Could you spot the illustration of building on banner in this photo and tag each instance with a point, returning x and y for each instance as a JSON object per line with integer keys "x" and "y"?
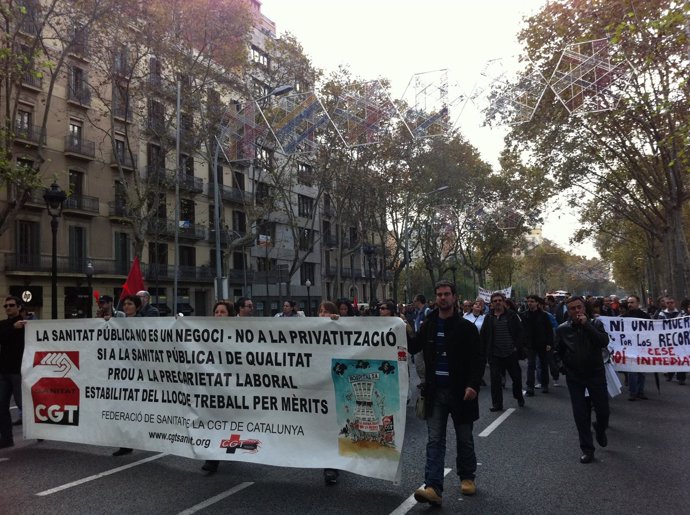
{"x": 364, "y": 113}
{"x": 367, "y": 396}
{"x": 591, "y": 76}
{"x": 296, "y": 121}
{"x": 429, "y": 104}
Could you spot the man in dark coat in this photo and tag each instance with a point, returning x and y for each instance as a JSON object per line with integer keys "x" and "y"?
{"x": 454, "y": 366}
{"x": 11, "y": 352}
{"x": 539, "y": 339}
{"x": 579, "y": 344}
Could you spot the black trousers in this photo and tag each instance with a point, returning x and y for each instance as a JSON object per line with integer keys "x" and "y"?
{"x": 582, "y": 406}
{"x": 498, "y": 367}
{"x": 532, "y": 366}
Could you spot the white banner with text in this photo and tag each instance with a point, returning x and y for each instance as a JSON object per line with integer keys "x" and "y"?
{"x": 640, "y": 345}
{"x": 486, "y": 294}
{"x": 294, "y": 392}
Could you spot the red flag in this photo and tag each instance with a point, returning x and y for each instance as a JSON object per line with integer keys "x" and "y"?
{"x": 354, "y": 304}
{"x": 96, "y": 295}
{"x": 134, "y": 282}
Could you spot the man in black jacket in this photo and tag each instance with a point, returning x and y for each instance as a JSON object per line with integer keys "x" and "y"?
{"x": 636, "y": 380}
{"x": 579, "y": 342}
{"x": 502, "y": 338}
{"x": 11, "y": 352}
{"x": 539, "y": 337}
{"x": 454, "y": 366}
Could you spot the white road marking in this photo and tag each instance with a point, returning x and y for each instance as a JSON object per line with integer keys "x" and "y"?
{"x": 215, "y": 499}
{"x": 496, "y": 423}
{"x": 4, "y": 459}
{"x": 408, "y": 503}
{"x": 98, "y": 476}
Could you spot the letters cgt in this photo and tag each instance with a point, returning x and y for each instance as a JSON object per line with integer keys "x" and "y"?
{"x": 56, "y": 399}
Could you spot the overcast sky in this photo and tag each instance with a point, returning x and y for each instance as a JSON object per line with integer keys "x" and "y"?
{"x": 396, "y": 39}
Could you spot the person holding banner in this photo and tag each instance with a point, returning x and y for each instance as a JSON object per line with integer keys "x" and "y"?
{"x": 11, "y": 351}
{"x": 454, "y": 367}
{"x": 636, "y": 380}
{"x": 578, "y": 346}
{"x": 220, "y": 309}
{"x": 131, "y": 305}
{"x": 671, "y": 311}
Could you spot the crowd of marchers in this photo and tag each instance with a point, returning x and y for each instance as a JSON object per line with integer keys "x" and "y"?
{"x": 451, "y": 343}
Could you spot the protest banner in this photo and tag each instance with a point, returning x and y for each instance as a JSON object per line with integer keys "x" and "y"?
{"x": 640, "y": 345}
{"x": 306, "y": 392}
{"x": 486, "y": 294}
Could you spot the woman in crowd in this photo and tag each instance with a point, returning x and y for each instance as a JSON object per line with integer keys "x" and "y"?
{"x": 289, "y": 309}
{"x": 222, "y": 308}
{"x": 330, "y": 310}
{"x": 476, "y": 315}
{"x": 345, "y": 308}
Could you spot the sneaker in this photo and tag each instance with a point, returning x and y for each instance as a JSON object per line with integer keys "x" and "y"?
{"x": 17, "y": 422}
{"x": 538, "y": 385}
{"x": 330, "y": 476}
{"x": 468, "y": 487}
{"x": 545, "y": 389}
{"x": 521, "y": 402}
{"x": 122, "y": 451}
{"x": 556, "y": 384}
{"x": 493, "y": 409}
{"x": 632, "y": 398}
{"x": 642, "y": 396}
{"x": 530, "y": 393}
{"x": 428, "y": 494}
{"x": 6, "y": 443}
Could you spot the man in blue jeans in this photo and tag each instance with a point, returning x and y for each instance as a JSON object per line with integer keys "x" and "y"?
{"x": 454, "y": 367}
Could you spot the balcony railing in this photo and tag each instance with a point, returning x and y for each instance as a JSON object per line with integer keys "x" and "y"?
{"x": 30, "y": 133}
{"x": 79, "y": 95}
{"x": 124, "y": 159}
{"x": 191, "y": 231}
{"x": 190, "y": 183}
{"x": 31, "y": 80}
{"x": 230, "y": 194}
{"x": 80, "y": 147}
{"x": 155, "y": 271}
{"x": 119, "y": 209}
{"x": 82, "y": 203}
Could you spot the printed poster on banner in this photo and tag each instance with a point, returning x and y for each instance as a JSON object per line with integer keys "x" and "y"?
{"x": 302, "y": 392}
{"x": 641, "y": 345}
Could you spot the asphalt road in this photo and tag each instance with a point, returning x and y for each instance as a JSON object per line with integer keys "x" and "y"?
{"x": 529, "y": 464}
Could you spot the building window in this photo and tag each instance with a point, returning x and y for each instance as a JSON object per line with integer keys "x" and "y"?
{"x": 77, "y": 85}
{"x": 265, "y": 264}
{"x": 120, "y": 101}
{"x": 187, "y": 256}
{"x": 186, "y": 165}
{"x": 305, "y": 174}
{"x": 158, "y": 260}
{"x": 239, "y": 181}
{"x": 28, "y": 243}
{"x": 155, "y": 70}
{"x": 305, "y": 206}
{"x": 77, "y": 248}
{"x": 123, "y": 253}
{"x": 76, "y": 183}
{"x": 307, "y": 271}
{"x": 80, "y": 41}
{"x": 121, "y": 60}
{"x": 260, "y": 57}
{"x": 263, "y": 192}
{"x": 239, "y": 222}
{"x": 306, "y": 239}
{"x": 76, "y": 129}
{"x": 238, "y": 260}
{"x": 266, "y": 231}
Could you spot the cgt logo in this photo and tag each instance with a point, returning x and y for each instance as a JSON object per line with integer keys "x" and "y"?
{"x": 56, "y": 399}
{"x": 234, "y": 442}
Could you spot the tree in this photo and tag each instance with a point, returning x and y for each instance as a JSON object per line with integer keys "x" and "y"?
{"x": 631, "y": 161}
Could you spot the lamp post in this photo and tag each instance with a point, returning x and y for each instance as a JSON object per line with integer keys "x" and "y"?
{"x": 454, "y": 268}
{"x": 55, "y": 198}
{"x": 277, "y": 91}
{"x": 308, "y": 285}
{"x": 89, "y": 276}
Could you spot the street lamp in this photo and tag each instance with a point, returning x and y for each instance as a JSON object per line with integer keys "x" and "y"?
{"x": 54, "y": 198}
{"x": 454, "y": 268}
{"x": 308, "y": 285}
{"x": 277, "y": 91}
{"x": 89, "y": 276}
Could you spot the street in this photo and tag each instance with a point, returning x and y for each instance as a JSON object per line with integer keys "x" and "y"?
{"x": 528, "y": 463}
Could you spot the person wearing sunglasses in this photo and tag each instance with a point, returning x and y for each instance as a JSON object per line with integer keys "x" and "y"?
{"x": 11, "y": 352}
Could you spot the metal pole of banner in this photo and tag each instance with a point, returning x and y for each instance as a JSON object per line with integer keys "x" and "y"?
{"x": 216, "y": 220}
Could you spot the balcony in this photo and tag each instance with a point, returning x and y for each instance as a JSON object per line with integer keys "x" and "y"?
{"x": 124, "y": 160}
{"x": 118, "y": 209}
{"x": 161, "y": 227}
{"x": 156, "y": 126}
{"x": 122, "y": 112}
{"x": 328, "y": 210}
{"x": 187, "y": 273}
{"x": 191, "y": 183}
{"x": 65, "y": 265}
{"x": 329, "y": 241}
{"x": 80, "y": 148}
{"x": 226, "y": 236}
{"x": 230, "y": 194}
{"x": 80, "y": 96}
{"x": 32, "y": 81}
{"x": 29, "y": 134}
{"x": 81, "y": 204}
{"x": 190, "y": 231}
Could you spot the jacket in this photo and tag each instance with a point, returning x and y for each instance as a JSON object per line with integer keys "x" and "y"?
{"x": 11, "y": 346}
{"x": 538, "y": 329}
{"x": 514, "y": 327}
{"x": 579, "y": 348}
{"x": 465, "y": 362}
